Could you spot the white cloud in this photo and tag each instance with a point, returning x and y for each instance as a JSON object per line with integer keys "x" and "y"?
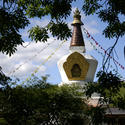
{"x": 93, "y": 23}
{"x": 39, "y": 22}
{"x": 91, "y": 29}
{"x": 26, "y": 60}
{"x": 30, "y": 58}
{"x": 28, "y": 68}
{"x": 88, "y": 45}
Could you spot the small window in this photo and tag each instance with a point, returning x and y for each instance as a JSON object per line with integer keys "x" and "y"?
{"x": 76, "y": 71}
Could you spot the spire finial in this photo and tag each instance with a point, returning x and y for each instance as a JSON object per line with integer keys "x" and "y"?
{"x": 77, "y": 13}
{"x": 77, "y": 17}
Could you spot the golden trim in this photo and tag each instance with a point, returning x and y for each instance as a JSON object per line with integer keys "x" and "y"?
{"x": 76, "y": 58}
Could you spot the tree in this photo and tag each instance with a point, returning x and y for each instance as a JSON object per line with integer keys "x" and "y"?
{"x": 4, "y": 80}
{"x": 12, "y": 19}
{"x": 58, "y": 10}
{"x": 109, "y": 86}
{"x": 14, "y": 15}
{"x": 42, "y": 103}
{"x": 110, "y": 89}
{"x": 108, "y": 11}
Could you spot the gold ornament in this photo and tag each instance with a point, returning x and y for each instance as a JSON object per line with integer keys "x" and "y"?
{"x": 76, "y": 67}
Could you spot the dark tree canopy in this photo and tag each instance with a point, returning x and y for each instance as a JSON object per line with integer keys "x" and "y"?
{"x": 15, "y": 15}
{"x": 110, "y": 89}
{"x": 28, "y": 104}
{"x": 41, "y": 103}
{"x": 12, "y": 19}
{"x": 108, "y": 11}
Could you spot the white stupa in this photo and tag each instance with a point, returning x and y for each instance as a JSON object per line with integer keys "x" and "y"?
{"x": 77, "y": 66}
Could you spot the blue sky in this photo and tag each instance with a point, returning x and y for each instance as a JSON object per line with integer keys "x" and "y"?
{"x": 30, "y": 57}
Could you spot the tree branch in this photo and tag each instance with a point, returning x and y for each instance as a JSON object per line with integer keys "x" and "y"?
{"x": 110, "y": 51}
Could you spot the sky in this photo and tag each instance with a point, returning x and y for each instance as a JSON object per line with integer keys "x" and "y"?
{"x": 33, "y": 55}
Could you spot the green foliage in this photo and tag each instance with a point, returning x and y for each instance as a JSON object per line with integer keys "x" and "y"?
{"x": 110, "y": 89}
{"x": 12, "y": 19}
{"x": 38, "y": 34}
{"x": 91, "y": 6}
{"x": 116, "y": 29}
{"x": 97, "y": 115}
{"x": 60, "y": 30}
{"x": 109, "y": 81}
{"x": 14, "y": 15}
{"x": 42, "y": 103}
{"x": 108, "y": 86}
{"x": 108, "y": 11}
{"x": 119, "y": 101}
{"x": 4, "y": 80}
{"x": 3, "y": 121}
{"x": 57, "y": 9}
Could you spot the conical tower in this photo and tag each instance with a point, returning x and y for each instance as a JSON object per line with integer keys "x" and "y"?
{"x": 77, "y": 66}
{"x": 77, "y": 41}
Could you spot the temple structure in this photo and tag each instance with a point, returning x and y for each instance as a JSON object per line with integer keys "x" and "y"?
{"x": 77, "y": 66}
